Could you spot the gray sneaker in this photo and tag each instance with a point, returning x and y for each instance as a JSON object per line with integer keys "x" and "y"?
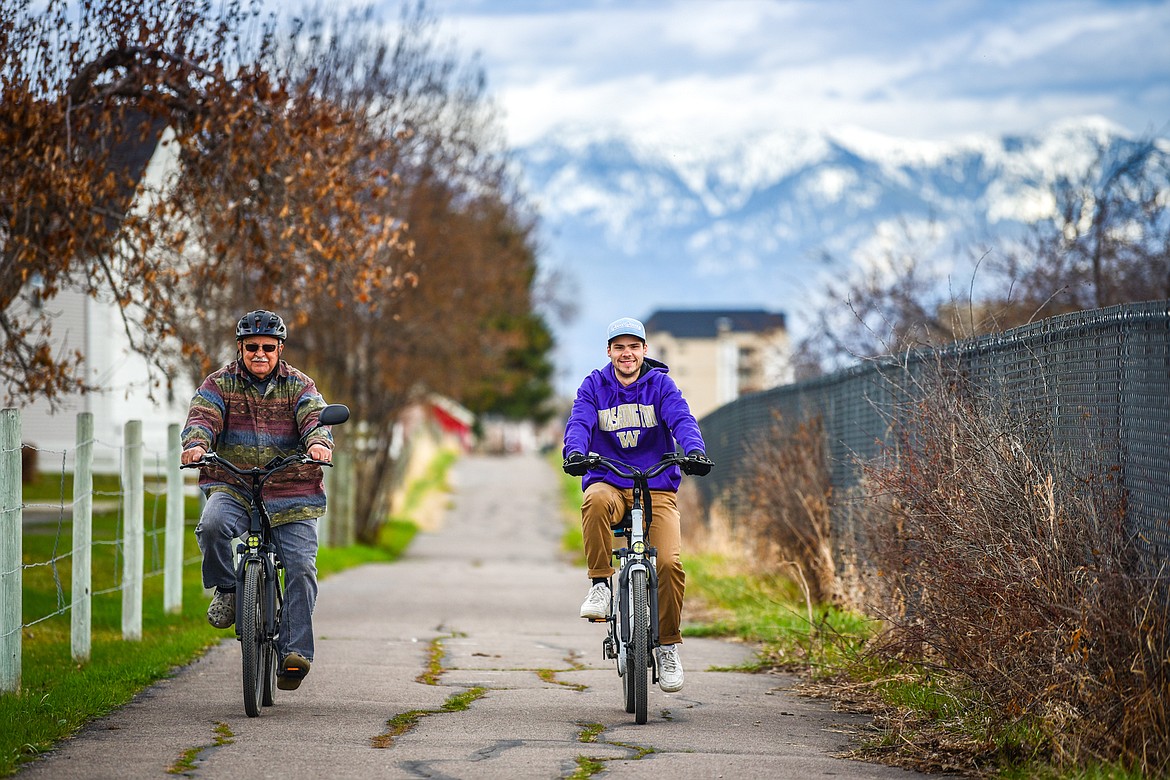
{"x": 222, "y": 611}
{"x": 670, "y": 671}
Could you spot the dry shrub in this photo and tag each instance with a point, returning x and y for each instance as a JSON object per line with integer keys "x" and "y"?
{"x": 1020, "y": 582}
{"x": 706, "y": 529}
{"x": 786, "y": 494}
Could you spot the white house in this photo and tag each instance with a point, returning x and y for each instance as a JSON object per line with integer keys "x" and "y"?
{"x": 94, "y": 328}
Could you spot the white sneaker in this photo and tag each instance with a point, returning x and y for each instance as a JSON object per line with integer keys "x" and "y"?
{"x": 670, "y": 671}
{"x": 596, "y": 604}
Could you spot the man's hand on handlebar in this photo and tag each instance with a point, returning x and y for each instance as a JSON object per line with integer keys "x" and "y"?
{"x": 320, "y": 453}
{"x": 576, "y": 464}
{"x": 192, "y": 454}
{"x": 697, "y": 464}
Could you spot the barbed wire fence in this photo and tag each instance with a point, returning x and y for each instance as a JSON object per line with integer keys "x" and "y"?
{"x": 1093, "y": 381}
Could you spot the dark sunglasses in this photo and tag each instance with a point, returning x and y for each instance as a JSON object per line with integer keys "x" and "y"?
{"x": 265, "y": 347}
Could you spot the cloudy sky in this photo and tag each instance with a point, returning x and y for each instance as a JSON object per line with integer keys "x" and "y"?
{"x": 685, "y": 73}
{"x": 936, "y": 69}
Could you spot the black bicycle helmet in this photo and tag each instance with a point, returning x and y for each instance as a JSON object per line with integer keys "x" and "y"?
{"x": 261, "y": 323}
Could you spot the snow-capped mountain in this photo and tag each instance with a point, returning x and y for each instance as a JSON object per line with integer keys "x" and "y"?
{"x": 762, "y": 221}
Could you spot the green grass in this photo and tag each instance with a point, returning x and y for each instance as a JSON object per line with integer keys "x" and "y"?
{"x": 771, "y": 610}
{"x": 434, "y": 479}
{"x": 571, "y": 539}
{"x": 186, "y": 761}
{"x": 587, "y": 767}
{"x": 58, "y": 696}
{"x": 393, "y": 539}
{"x": 50, "y": 488}
{"x": 405, "y": 721}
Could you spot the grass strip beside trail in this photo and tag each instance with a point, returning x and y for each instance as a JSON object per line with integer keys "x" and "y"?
{"x": 58, "y": 696}
{"x": 771, "y": 611}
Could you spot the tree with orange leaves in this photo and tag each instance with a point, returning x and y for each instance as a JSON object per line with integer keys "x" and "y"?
{"x": 264, "y": 185}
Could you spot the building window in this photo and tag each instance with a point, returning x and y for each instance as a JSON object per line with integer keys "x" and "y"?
{"x": 36, "y": 290}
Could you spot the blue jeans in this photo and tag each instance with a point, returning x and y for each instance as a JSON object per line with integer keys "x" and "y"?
{"x": 223, "y": 521}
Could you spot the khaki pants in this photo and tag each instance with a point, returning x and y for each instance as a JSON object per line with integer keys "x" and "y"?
{"x": 604, "y": 505}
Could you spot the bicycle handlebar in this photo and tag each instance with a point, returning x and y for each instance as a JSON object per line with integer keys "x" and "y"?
{"x": 331, "y": 414}
{"x": 275, "y": 465}
{"x": 629, "y": 472}
{"x": 626, "y": 471}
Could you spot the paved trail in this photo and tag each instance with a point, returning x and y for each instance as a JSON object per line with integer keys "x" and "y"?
{"x": 489, "y": 597}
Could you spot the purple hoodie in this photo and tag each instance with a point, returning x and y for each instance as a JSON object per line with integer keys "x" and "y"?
{"x": 636, "y": 425}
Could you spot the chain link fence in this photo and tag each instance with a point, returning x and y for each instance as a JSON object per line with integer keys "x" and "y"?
{"x": 1088, "y": 382}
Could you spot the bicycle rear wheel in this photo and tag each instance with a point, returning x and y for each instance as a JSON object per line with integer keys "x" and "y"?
{"x": 268, "y": 667}
{"x": 250, "y": 614}
{"x": 637, "y": 654}
{"x": 271, "y": 656}
{"x": 620, "y": 607}
{"x": 628, "y": 693}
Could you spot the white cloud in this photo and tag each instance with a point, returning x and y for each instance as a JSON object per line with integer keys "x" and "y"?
{"x": 917, "y": 69}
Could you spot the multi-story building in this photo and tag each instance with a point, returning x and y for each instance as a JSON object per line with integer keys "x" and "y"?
{"x": 717, "y": 355}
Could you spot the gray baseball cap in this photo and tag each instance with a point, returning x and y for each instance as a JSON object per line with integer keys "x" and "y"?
{"x": 626, "y": 326}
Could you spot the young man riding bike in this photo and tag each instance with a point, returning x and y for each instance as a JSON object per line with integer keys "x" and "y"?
{"x": 251, "y": 410}
{"x": 632, "y": 411}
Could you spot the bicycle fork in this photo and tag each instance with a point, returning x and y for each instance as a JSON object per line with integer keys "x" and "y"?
{"x": 627, "y": 597}
{"x": 635, "y": 556}
{"x": 252, "y": 550}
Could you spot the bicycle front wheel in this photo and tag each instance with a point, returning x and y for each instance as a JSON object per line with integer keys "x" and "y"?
{"x": 250, "y": 614}
{"x": 638, "y": 653}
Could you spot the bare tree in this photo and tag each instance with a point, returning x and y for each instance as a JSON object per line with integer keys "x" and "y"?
{"x": 1107, "y": 241}
{"x": 898, "y": 296}
{"x": 85, "y": 101}
{"x": 350, "y": 176}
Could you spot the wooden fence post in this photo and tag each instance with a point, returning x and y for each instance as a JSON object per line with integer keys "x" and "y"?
{"x": 341, "y": 520}
{"x": 81, "y": 610}
{"x": 326, "y": 520}
{"x": 173, "y": 561}
{"x": 11, "y": 551}
{"x": 133, "y": 535}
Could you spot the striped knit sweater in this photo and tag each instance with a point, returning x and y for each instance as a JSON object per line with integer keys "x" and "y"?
{"x": 232, "y": 416}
